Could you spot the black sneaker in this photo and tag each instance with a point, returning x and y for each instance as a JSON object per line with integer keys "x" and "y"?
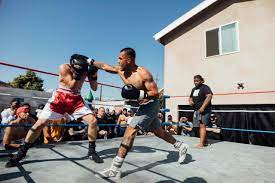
{"x": 94, "y": 156}
{"x": 14, "y": 160}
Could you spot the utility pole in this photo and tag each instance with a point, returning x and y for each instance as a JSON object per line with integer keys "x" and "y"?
{"x": 100, "y": 93}
{"x": 157, "y": 79}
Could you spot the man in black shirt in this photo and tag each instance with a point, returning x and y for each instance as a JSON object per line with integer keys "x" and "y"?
{"x": 200, "y": 99}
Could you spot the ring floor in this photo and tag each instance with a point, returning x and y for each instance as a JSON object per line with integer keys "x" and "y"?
{"x": 151, "y": 160}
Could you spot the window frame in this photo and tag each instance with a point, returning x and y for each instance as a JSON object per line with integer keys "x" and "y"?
{"x": 220, "y": 40}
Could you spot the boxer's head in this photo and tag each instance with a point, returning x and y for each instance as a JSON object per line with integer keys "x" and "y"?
{"x": 198, "y": 80}
{"x": 126, "y": 58}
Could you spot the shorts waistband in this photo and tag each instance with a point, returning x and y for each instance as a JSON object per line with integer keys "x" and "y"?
{"x": 66, "y": 90}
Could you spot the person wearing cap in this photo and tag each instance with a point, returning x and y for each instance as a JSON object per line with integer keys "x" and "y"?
{"x": 14, "y": 135}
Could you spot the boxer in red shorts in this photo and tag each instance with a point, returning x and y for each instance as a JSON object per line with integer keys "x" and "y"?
{"x": 66, "y": 99}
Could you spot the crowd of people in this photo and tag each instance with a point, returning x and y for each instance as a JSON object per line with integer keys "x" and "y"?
{"x": 111, "y": 124}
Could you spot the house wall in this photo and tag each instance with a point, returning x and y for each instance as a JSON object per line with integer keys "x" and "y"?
{"x": 254, "y": 65}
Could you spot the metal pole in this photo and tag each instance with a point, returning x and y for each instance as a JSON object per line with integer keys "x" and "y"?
{"x": 100, "y": 93}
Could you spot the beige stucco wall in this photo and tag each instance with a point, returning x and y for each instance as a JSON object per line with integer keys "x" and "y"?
{"x": 254, "y": 65}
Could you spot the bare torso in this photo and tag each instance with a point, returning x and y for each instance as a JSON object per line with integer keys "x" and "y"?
{"x": 139, "y": 78}
{"x": 66, "y": 78}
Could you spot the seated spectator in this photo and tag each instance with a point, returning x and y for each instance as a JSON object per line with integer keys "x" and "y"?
{"x": 214, "y": 129}
{"x": 111, "y": 118}
{"x": 103, "y": 131}
{"x": 122, "y": 122}
{"x": 27, "y": 105}
{"x": 185, "y": 126}
{"x": 14, "y": 136}
{"x": 54, "y": 134}
{"x": 8, "y": 115}
{"x": 173, "y": 127}
{"x": 74, "y": 133}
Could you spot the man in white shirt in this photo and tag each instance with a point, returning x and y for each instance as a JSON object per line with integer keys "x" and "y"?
{"x": 8, "y": 115}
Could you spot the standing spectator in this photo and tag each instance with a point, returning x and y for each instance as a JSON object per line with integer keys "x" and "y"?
{"x": 14, "y": 136}
{"x": 200, "y": 99}
{"x": 122, "y": 121}
{"x": 186, "y": 126}
{"x": 9, "y": 114}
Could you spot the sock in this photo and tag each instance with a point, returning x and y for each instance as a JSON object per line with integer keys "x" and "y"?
{"x": 177, "y": 144}
{"x": 92, "y": 146}
{"x": 117, "y": 163}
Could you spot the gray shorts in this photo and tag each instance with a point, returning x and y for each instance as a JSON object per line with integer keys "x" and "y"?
{"x": 146, "y": 117}
{"x": 201, "y": 118}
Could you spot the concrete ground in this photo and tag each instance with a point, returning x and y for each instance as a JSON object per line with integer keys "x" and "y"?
{"x": 151, "y": 160}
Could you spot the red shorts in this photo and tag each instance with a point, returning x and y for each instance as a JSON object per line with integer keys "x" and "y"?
{"x": 64, "y": 101}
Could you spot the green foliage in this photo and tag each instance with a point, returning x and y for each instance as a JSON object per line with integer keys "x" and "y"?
{"x": 30, "y": 81}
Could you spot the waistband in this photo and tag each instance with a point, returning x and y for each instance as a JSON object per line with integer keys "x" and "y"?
{"x": 67, "y": 90}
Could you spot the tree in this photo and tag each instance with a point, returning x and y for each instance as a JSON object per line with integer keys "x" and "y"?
{"x": 30, "y": 81}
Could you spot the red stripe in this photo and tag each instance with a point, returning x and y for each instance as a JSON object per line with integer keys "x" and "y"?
{"x": 232, "y": 93}
{"x": 49, "y": 73}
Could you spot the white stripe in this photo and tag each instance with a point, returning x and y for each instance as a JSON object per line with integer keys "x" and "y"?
{"x": 40, "y": 98}
{"x": 141, "y": 95}
{"x": 114, "y": 105}
{"x": 5, "y": 94}
{"x": 249, "y": 111}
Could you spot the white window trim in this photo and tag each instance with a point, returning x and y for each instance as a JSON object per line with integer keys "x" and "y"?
{"x": 220, "y": 40}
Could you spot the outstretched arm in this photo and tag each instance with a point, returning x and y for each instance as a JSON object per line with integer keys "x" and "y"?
{"x": 106, "y": 67}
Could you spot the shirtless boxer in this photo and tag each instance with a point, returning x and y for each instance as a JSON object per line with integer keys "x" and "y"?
{"x": 139, "y": 85}
{"x": 66, "y": 99}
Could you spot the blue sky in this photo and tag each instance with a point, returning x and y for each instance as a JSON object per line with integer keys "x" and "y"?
{"x": 43, "y": 34}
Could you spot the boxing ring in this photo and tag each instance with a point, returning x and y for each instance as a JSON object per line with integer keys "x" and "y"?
{"x": 150, "y": 160}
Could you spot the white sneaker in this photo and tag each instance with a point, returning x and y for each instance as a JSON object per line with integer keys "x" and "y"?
{"x": 108, "y": 173}
{"x": 182, "y": 152}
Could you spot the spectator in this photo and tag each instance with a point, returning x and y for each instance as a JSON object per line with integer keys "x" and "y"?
{"x": 111, "y": 118}
{"x": 14, "y": 136}
{"x": 107, "y": 111}
{"x": 96, "y": 111}
{"x": 213, "y": 130}
{"x": 53, "y": 134}
{"x": 200, "y": 99}
{"x": 122, "y": 122}
{"x": 103, "y": 131}
{"x": 75, "y": 132}
{"x": 27, "y": 105}
{"x": 186, "y": 126}
{"x": 8, "y": 115}
{"x": 173, "y": 127}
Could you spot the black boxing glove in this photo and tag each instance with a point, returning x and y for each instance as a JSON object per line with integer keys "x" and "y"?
{"x": 92, "y": 69}
{"x": 80, "y": 65}
{"x": 131, "y": 92}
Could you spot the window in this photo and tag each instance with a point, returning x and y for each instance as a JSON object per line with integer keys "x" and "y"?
{"x": 222, "y": 40}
